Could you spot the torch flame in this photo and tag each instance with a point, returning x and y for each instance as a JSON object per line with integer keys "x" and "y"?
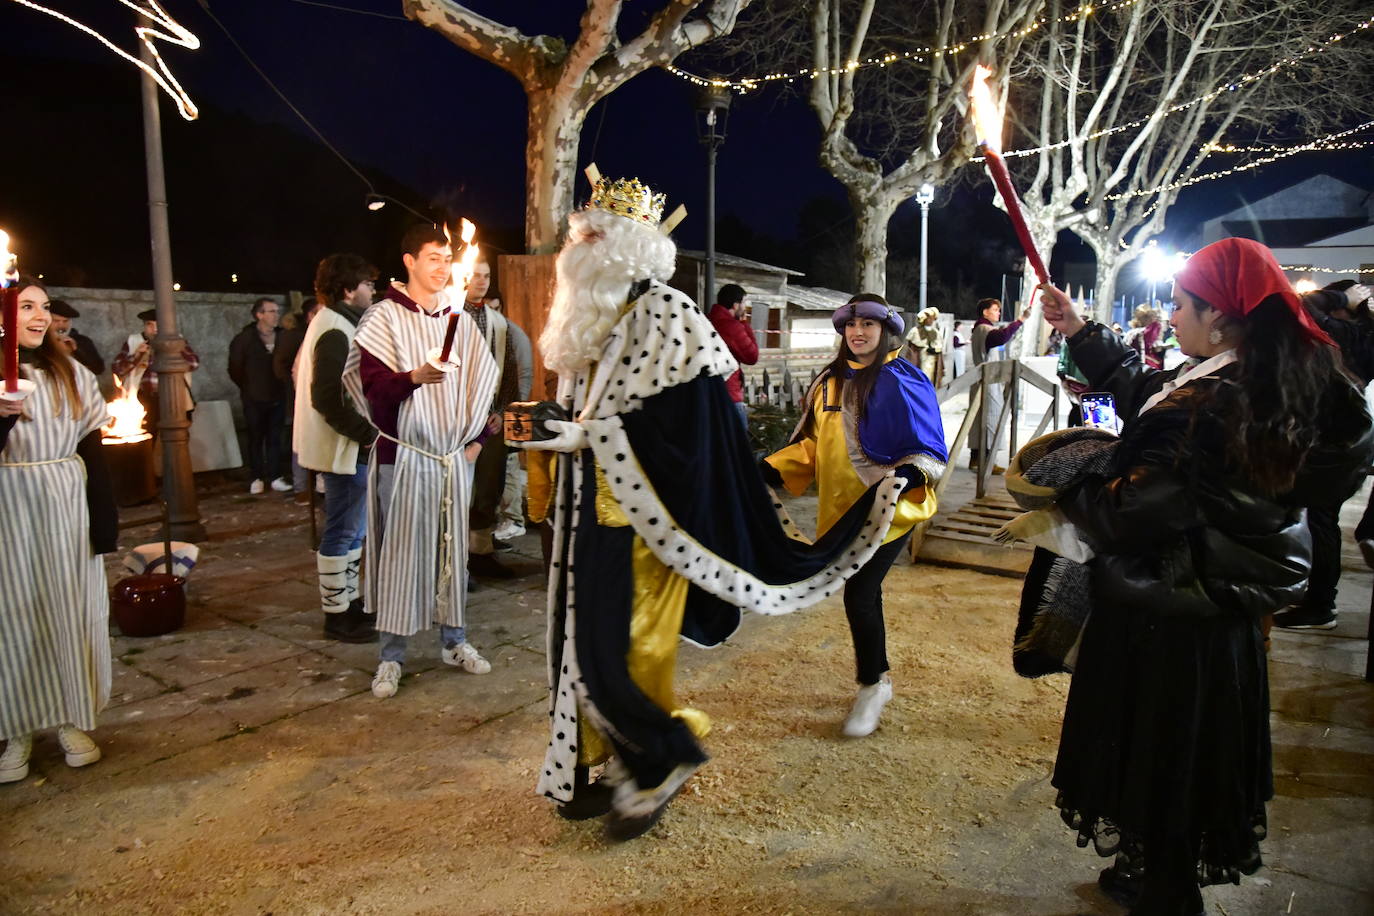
{"x": 126, "y": 418}
{"x": 464, "y": 265}
{"x": 9, "y": 261}
{"x": 987, "y": 120}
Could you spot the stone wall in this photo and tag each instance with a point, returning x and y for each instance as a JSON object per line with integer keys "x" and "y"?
{"x": 208, "y": 321}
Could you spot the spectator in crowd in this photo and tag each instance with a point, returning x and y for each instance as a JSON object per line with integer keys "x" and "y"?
{"x": 958, "y": 349}
{"x": 332, "y": 438}
{"x": 987, "y": 339}
{"x": 262, "y": 393}
{"x": 431, "y": 424}
{"x": 729, "y": 316}
{"x": 489, "y": 473}
{"x": 926, "y": 344}
{"x": 293, "y": 327}
{"x": 81, "y": 347}
{"x": 54, "y": 599}
{"x": 133, "y": 366}
{"x": 510, "y": 514}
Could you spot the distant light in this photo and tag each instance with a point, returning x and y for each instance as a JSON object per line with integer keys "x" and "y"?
{"x": 40, "y": 276}
{"x": 176, "y": 286}
{"x": 233, "y": 278}
{"x": 375, "y": 201}
{"x": 1305, "y": 285}
{"x": 1158, "y": 265}
{"x": 926, "y": 194}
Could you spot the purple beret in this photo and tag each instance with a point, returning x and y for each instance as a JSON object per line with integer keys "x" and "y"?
{"x": 868, "y": 309}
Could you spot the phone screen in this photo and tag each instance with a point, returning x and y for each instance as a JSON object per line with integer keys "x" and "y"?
{"x": 1099, "y": 411}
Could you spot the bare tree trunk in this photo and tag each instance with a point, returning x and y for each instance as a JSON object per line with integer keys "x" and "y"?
{"x": 871, "y": 214}
{"x": 554, "y": 129}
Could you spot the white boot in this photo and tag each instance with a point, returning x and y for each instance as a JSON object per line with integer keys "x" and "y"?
{"x": 333, "y": 572}
{"x": 868, "y": 707}
{"x": 355, "y": 574}
{"x": 14, "y": 763}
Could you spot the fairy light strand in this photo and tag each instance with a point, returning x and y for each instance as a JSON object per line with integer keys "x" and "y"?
{"x": 164, "y": 28}
{"x": 919, "y": 55}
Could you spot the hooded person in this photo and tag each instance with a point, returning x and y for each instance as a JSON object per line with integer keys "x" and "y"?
{"x": 926, "y": 340}
{"x": 663, "y": 527}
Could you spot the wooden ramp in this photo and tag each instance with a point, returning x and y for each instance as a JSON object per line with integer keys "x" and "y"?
{"x": 964, "y": 538}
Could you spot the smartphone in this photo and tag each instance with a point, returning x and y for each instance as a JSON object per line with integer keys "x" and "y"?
{"x": 1099, "y": 411}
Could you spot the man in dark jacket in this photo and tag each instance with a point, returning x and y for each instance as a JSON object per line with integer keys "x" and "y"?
{"x": 1342, "y": 311}
{"x": 263, "y": 394}
{"x": 727, "y": 316}
{"x": 81, "y": 347}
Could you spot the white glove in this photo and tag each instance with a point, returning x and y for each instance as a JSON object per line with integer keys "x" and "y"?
{"x": 572, "y": 437}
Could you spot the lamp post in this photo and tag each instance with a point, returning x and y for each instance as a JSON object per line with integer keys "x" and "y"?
{"x": 174, "y": 428}
{"x": 1158, "y": 267}
{"x": 713, "y": 109}
{"x": 924, "y": 197}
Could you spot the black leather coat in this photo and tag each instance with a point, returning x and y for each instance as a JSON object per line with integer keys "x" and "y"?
{"x": 1177, "y": 532}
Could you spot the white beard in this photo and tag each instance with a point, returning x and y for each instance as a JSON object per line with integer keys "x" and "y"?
{"x": 604, "y": 255}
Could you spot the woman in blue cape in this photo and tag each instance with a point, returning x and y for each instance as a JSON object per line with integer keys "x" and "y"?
{"x": 868, "y": 413}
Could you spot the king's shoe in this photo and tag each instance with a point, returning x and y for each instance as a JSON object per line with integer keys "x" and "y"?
{"x": 868, "y": 708}
{"x": 77, "y": 745}
{"x": 14, "y": 763}
{"x": 463, "y": 655}
{"x": 590, "y": 799}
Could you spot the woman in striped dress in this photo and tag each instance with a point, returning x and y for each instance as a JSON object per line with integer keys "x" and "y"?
{"x": 54, "y": 640}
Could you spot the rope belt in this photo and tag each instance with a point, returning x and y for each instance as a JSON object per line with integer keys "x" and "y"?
{"x": 35, "y": 464}
{"x": 445, "y": 576}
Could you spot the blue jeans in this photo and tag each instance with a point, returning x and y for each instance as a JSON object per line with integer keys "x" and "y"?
{"x": 743, "y": 414}
{"x": 345, "y": 512}
{"x": 394, "y": 645}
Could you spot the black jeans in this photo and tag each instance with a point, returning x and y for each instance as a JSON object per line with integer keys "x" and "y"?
{"x": 863, "y": 606}
{"x": 264, "y": 421}
{"x": 1324, "y": 522}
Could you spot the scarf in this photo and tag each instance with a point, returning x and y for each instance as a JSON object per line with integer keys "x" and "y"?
{"x": 1235, "y": 275}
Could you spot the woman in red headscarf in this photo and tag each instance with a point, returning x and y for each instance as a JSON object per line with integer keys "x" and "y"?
{"x": 1197, "y": 532}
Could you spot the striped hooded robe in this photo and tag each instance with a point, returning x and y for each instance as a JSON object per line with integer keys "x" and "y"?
{"x": 417, "y": 559}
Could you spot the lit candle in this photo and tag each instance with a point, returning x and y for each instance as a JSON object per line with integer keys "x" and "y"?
{"x": 448, "y": 336}
{"x": 9, "y": 297}
{"x": 989, "y": 142}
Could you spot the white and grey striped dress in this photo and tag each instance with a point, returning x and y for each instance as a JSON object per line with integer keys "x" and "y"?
{"x": 54, "y": 600}
{"x": 417, "y": 567}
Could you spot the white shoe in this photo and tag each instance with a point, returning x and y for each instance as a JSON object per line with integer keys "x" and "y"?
{"x": 387, "y": 680}
{"x": 256, "y": 487}
{"x": 507, "y": 532}
{"x": 80, "y": 749}
{"x": 14, "y": 763}
{"x": 281, "y": 485}
{"x": 868, "y": 707}
{"x": 466, "y": 657}
{"x": 319, "y": 484}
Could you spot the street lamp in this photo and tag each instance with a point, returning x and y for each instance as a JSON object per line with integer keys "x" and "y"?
{"x": 924, "y": 197}
{"x": 712, "y": 109}
{"x": 1158, "y": 266}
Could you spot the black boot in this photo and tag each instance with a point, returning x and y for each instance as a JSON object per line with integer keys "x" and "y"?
{"x": 353, "y": 625}
{"x": 590, "y": 799}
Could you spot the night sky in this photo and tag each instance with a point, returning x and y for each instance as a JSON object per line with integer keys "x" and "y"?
{"x": 251, "y": 191}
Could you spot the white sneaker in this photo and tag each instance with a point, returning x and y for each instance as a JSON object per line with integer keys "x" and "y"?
{"x": 868, "y": 706}
{"x": 507, "y": 532}
{"x": 14, "y": 763}
{"x": 281, "y": 485}
{"x": 387, "y": 680}
{"x": 466, "y": 657}
{"x": 80, "y": 749}
{"x": 255, "y": 487}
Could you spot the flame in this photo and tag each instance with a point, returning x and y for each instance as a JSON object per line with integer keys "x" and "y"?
{"x": 126, "y": 418}
{"x": 464, "y": 265}
{"x": 987, "y": 119}
{"x": 9, "y": 261}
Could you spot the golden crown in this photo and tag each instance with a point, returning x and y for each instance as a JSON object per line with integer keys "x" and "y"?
{"x": 628, "y": 198}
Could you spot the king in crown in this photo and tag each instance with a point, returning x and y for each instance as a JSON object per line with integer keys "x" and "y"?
{"x": 629, "y": 198}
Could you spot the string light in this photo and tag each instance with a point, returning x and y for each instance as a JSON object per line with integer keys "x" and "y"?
{"x": 164, "y": 27}
{"x": 1215, "y": 148}
{"x": 1205, "y": 97}
{"x": 1263, "y": 160}
{"x": 919, "y": 55}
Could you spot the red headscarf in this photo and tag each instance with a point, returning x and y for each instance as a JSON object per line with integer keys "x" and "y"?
{"x": 1235, "y": 275}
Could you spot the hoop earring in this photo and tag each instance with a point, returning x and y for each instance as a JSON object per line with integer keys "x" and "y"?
{"x": 1214, "y": 337}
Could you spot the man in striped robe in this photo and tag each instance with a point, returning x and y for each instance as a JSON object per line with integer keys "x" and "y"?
{"x": 663, "y": 526}
{"x": 431, "y": 423}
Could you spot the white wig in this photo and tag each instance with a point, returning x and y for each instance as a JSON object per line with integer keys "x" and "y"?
{"x": 603, "y": 257}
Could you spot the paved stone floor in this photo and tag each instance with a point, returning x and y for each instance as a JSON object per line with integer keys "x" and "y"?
{"x": 251, "y": 663}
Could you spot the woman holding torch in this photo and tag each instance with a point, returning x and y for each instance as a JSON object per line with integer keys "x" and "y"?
{"x": 869, "y": 412}
{"x": 1197, "y": 532}
{"x": 58, "y": 517}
